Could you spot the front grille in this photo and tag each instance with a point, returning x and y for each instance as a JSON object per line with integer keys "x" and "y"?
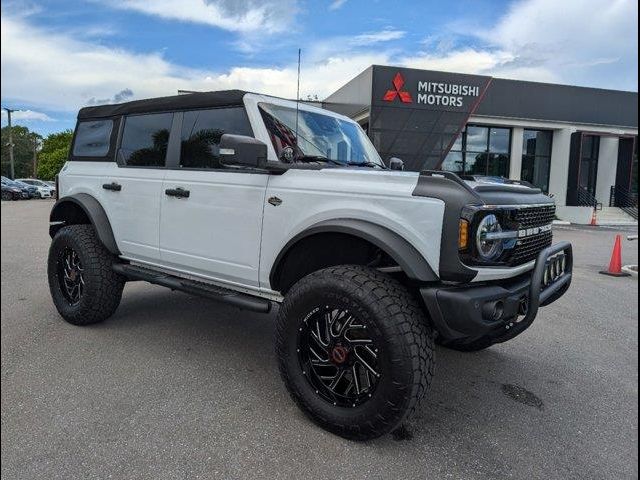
{"x": 527, "y": 248}
{"x": 529, "y": 217}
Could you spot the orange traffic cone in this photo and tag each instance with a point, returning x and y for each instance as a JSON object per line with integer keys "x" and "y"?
{"x": 594, "y": 219}
{"x": 615, "y": 265}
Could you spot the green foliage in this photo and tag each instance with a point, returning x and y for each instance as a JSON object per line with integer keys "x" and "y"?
{"x": 23, "y": 145}
{"x": 54, "y": 152}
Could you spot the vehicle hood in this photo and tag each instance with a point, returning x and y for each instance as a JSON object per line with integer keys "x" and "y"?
{"x": 499, "y": 193}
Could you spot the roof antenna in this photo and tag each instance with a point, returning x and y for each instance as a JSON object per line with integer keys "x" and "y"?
{"x": 298, "y": 96}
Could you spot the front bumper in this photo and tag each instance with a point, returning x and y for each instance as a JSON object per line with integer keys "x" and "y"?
{"x": 500, "y": 310}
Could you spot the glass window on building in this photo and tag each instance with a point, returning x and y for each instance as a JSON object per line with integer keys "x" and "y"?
{"x": 536, "y": 157}
{"x": 480, "y": 150}
{"x": 634, "y": 169}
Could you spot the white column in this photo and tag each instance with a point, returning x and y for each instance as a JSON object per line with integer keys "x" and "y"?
{"x": 559, "y": 171}
{"x": 515, "y": 162}
{"x": 607, "y": 168}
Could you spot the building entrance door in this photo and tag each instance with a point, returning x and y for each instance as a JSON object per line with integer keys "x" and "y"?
{"x": 587, "y": 177}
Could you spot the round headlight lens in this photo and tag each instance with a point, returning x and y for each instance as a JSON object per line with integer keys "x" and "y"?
{"x": 488, "y": 249}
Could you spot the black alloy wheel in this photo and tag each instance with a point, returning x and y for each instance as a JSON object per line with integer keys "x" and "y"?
{"x": 70, "y": 275}
{"x": 338, "y": 356}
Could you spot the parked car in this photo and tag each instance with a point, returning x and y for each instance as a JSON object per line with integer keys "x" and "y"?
{"x": 24, "y": 190}
{"x": 31, "y": 189}
{"x": 254, "y": 200}
{"x": 44, "y": 190}
{"x": 10, "y": 192}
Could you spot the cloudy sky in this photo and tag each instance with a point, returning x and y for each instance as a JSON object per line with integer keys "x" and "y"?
{"x": 60, "y": 55}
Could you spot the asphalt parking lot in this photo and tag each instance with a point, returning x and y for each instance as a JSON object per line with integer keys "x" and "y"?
{"x": 175, "y": 386}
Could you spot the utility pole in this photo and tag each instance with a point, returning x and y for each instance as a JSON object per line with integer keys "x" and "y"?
{"x": 35, "y": 155}
{"x": 13, "y": 173}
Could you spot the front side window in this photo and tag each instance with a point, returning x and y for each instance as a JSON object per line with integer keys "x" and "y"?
{"x": 480, "y": 150}
{"x": 93, "y": 138}
{"x": 201, "y": 132}
{"x": 145, "y": 139}
{"x": 536, "y": 157}
{"x": 302, "y": 135}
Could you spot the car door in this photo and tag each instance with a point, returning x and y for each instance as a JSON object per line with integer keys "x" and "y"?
{"x": 211, "y": 215}
{"x": 132, "y": 190}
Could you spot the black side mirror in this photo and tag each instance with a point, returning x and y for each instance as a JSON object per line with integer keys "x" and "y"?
{"x": 242, "y": 151}
{"x": 396, "y": 164}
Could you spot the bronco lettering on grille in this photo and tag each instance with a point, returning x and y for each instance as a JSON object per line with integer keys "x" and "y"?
{"x": 527, "y": 232}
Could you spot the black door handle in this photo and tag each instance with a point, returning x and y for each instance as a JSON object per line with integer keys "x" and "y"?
{"x": 116, "y": 187}
{"x": 177, "y": 192}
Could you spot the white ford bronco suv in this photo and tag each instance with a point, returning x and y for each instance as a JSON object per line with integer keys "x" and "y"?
{"x": 254, "y": 200}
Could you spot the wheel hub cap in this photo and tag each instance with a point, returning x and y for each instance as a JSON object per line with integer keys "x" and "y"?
{"x": 339, "y": 354}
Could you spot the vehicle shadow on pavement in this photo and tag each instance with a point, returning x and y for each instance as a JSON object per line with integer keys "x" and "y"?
{"x": 471, "y": 389}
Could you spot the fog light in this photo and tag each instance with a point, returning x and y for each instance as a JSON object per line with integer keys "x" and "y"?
{"x": 493, "y": 310}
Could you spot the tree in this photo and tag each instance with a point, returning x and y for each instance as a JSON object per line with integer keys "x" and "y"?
{"x": 23, "y": 145}
{"x": 54, "y": 152}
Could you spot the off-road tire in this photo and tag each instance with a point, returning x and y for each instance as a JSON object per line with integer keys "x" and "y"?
{"x": 102, "y": 288}
{"x": 395, "y": 322}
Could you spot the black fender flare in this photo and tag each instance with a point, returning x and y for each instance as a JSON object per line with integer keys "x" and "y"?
{"x": 400, "y": 250}
{"x": 94, "y": 212}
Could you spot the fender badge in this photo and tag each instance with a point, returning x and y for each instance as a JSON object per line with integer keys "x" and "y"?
{"x": 275, "y": 201}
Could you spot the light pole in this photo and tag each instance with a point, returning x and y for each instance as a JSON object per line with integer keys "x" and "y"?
{"x": 10, "y": 144}
{"x": 36, "y": 144}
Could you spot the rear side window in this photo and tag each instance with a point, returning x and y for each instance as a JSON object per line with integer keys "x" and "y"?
{"x": 201, "y": 132}
{"x": 93, "y": 138}
{"x": 145, "y": 139}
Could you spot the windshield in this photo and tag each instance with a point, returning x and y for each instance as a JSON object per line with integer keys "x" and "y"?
{"x": 318, "y": 135}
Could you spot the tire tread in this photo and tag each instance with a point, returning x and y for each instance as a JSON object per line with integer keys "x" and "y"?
{"x": 392, "y": 303}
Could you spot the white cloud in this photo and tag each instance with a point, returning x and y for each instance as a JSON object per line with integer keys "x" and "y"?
{"x": 336, "y": 4}
{"x": 59, "y": 73}
{"x": 592, "y": 43}
{"x": 573, "y": 41}
{"x": 26, "y": 115}
{"x": 234, "y": 15}
{"x": 467, "y": 60}
{"x": 535, "y": 40}
{"x": 377, "y": 37}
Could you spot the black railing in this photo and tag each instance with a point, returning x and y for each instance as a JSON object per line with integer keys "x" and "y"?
{"x": 624, "y": 200}
{"x": 586, "y": 199}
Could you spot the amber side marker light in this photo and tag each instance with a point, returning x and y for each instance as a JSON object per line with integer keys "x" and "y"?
{"x": 463, "y": 235}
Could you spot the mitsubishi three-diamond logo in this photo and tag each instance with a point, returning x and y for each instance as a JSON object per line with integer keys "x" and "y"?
{"x": 398, "y": 83}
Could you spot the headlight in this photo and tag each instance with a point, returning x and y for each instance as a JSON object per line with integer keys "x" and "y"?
{"x": 489, "y": 249}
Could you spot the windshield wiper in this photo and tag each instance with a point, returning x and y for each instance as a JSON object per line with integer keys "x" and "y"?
{"x": 368, "y": 164}
{"x": 318, "y": 158}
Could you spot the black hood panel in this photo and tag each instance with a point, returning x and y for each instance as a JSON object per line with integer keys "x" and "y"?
{"x": 498, "y": 194}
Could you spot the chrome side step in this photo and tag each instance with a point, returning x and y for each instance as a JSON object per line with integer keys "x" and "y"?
{"x": 232, "y": 297}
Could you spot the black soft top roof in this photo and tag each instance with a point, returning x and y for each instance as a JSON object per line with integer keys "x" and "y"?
{"x": 223, "y": 98}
